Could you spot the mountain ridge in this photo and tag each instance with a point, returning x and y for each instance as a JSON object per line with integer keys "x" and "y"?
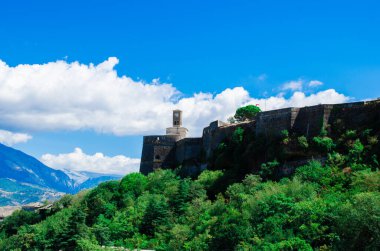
{"x": 24, "y": 179}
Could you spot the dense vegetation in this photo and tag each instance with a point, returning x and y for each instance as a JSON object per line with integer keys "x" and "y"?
{"x": 331, "y": 202}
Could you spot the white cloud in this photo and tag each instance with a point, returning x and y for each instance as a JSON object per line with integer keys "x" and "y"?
{"x": 99, "y": 163}
{"x": 299, "y": 99}
{"x": 315, "y": 83}
{"x": 73, "y": 96}
{"x": 295, "y": 85}
{"x": 10, "y": 138}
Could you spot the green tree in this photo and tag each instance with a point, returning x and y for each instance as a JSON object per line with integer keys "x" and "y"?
{"x": 76, "y": 230}
{"x": 359, "y": 222}
{"x": 133, "y": 184}
{"x": 19, "y": 218}
{"x": 246, "y": 113}
{"x": 102, "y": 200}
{"x": 156, "y": 214}
{"x": 208, "y": 178}
{"x": 180, "y": 200}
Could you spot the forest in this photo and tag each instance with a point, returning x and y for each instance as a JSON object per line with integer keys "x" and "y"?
{"x": 248, "y": 199}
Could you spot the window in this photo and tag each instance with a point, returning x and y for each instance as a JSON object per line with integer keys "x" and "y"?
{"x": 157, "y": 157}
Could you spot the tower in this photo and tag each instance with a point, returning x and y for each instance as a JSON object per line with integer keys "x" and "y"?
{"x": 159, "y": 150}
{"x": 177, "y": 128}
{"x": 177, "y": 118}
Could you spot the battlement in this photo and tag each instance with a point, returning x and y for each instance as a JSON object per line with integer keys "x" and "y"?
{"x": 161, "y": 139}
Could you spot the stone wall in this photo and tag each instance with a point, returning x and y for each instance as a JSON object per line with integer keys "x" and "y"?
{"x": 216, "y": 132}
{"x": 158, "y": 151}
{"x": 358, "y": 115}
{"x": 309, "y": 121}
{"x": 273, "y": 122}
{"x": 188, "y": 149}
{"x": 169, "y": 151}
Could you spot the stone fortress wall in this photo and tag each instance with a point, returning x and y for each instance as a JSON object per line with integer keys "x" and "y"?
{"x": 158, "y": 152}
{"x": 169, "y": 151}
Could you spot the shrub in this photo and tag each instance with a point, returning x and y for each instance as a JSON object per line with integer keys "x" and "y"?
{"x": 372, "y": 140}
{"x": 336, "y": 159}
{"x": 269, "y": 168}
{"x": 357, "y": 147}
{"x": 350, "y": 134}
{"x": 208, "y": 178}
{"x": 302, "y": 141}
{"x": 285, "y": 136}
{"x": 237, "y": 136}
{"x": 325, "y": 144}
{"x": 313, "y": 172}
{"x": 366, "y": 181}
{"x": 290, "y": 244}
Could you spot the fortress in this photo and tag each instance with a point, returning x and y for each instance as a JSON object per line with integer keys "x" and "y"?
{"x": 174, "y": 149}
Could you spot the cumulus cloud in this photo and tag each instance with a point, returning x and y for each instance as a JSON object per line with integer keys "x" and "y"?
{"x": 10, "y": 138}
{"x": 99, "y": 163}
{"x": 73, "y": 96}
{"x": 299, "y": 99}
{"x": 292, "y": 85}
{"x": 315, "y": 83}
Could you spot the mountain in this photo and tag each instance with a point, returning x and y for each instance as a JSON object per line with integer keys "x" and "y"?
{"x": 24, "y": 179}
{"x": 85, "y": 180}
{"x": 21, "y": 167}
{"x": 92, "y": 182}
{"x": 13, "y": 193}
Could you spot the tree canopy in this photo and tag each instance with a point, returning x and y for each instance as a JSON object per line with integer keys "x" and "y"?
{"x": 333, "y": 204}
{"x": 246, "y": 113}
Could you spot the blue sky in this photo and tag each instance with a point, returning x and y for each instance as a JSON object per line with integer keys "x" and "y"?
{"x": 196, "y": 47}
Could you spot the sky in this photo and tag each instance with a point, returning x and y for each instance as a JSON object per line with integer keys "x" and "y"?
{"x": 82, "y": 81}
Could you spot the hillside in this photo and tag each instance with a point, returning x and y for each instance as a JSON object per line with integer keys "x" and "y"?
{"x": 24, "y": 168}
{"x": 18, "y": 193}
{"x": 24, "y": 179}
{"x": 289, "y": 192}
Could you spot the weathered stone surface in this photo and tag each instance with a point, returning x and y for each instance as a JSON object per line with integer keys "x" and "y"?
{"x": 169, "y": 151}
{"x": 181, "y": 131}
{"x": 158, "y": 151}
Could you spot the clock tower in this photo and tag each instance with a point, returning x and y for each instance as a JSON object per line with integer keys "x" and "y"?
{"x": 177, "y": 128}
{"x": 177, "y": 118}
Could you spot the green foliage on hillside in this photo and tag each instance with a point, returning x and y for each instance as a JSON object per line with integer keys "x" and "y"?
{"x": 331, "y": 202}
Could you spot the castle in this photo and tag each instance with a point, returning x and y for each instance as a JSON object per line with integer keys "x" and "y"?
{"x": 174, "y": 149}
{"x": 165, "y": 151}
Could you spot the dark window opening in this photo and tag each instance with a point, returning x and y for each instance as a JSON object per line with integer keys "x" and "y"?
{"x": 157, "y": 157}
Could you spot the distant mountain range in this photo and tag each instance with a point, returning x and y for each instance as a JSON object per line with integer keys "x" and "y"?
{"x": 24, "y": 179}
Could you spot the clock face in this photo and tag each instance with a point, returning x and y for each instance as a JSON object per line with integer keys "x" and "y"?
{"x": 176, "y": 115}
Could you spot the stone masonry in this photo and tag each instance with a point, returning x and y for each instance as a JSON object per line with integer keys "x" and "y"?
{"x": 174, "y": 149}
